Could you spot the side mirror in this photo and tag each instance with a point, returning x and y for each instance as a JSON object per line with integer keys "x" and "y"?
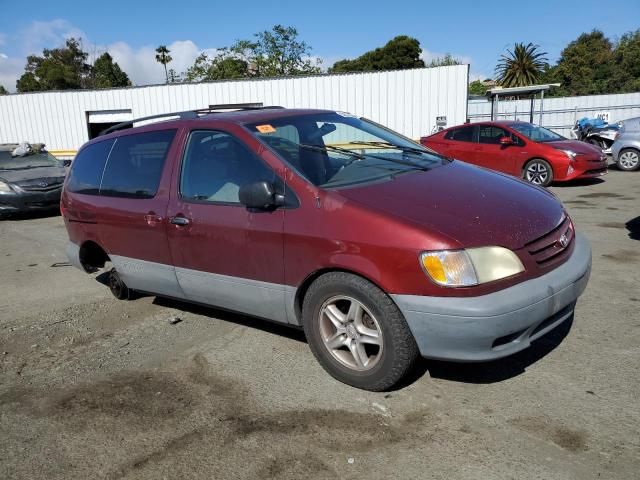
{"x": 260, "y": 195}
{"x": 506, "y": 141}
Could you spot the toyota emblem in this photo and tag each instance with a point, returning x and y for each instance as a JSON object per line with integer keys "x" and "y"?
{"x": 563, "y": 240}
{"x": 43, "y": 184}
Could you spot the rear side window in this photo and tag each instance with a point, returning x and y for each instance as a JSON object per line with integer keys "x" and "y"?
{"x": 86, "y": 170}
{"x": 463, "y": 134}
{"x": 135, "y": 164}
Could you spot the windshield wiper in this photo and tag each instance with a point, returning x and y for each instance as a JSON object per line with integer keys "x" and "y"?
{"x": 362, "y": 156}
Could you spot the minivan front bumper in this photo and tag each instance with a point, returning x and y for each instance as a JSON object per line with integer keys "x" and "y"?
{"x": 487, "y": 327}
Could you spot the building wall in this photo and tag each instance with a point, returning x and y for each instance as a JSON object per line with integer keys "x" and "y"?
{"x": 405, "y": 100}
{"x": 561, "y": 113}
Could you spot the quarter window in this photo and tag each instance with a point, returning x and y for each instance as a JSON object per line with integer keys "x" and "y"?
{"x": 87, "y": 168}
{"x": 135, "y": 164}
{"x": 216, "y": 165}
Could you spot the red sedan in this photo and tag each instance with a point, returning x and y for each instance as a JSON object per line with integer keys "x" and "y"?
{"x": 529, "y": 151}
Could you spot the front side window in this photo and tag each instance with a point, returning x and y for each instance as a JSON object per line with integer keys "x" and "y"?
{"x": 491, "y": 135}
{"x": 87, "y": 168}
{"x": 332, "y": 149}
{"x": 216, "y": 165}
{"x": 536, "y": 133}
{"x": 135, "y": 164}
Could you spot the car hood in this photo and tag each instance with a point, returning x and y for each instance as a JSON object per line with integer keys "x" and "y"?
{"x": 19, "y": 176}
{"x": 576, "y": 146}
{"x": 471, "y": 205}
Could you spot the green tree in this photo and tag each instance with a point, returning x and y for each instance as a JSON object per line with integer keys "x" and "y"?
{"x": 625, "y": 75}
{"x": 276, "y": 52}
{"x": 163, "y": 57}
{"x": 3, "y": 91}
{"x": 399, "y": 53}
{"x": 61, "y": 68}
{"x": 522, "y": 66}
{"x": 445, "y": 61}
{"x": 174, "y": 77}
{"x": 107, "y": 74}
{"x": 477, "y": 88}
{"x": 226, "y": 64}
{"x": 585, "y": 66}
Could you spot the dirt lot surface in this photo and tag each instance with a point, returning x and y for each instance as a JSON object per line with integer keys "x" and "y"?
{"x": 93, "y": 387}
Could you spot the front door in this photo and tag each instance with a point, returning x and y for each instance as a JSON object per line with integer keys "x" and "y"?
{"x": 492, "y": 154}
{"x": 225, "y": 255}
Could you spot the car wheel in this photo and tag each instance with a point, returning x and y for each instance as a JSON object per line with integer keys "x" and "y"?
{"x": 357, "y": 332}
{"x": 538, "y": 172}
{"x": 629, "y": 159}
{"x": 118, "y": 288}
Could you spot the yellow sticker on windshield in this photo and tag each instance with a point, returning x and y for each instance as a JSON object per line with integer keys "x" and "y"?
{"x": 265, "y": 128}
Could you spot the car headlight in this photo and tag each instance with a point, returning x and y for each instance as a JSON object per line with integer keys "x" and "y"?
{"x": 570, "y": 153}
{"x": 465, "y": 268}
{"x": 4, "y": 187}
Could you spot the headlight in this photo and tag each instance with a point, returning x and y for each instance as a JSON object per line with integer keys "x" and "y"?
{"x": 465, "y": 268}
{"x": 4, "y": 187}
{"x": 570, "y": 153}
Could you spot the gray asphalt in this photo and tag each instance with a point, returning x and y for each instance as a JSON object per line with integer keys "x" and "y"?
{"x": 93, "y": 387}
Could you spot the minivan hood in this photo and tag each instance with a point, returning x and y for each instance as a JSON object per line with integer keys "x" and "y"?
{"x": 17, "y": 176}
{"x": 575, "y": 146}
{"x": 472, "y": 205}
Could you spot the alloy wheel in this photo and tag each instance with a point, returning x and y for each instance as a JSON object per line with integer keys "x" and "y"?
{"x": 537, "y": 173}
{"x": 350, "y": 333}
{"x": 629, "y": 159}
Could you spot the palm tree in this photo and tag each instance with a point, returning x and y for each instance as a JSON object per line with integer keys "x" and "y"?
{"x": 163, "y": 57}
{"x": 521, "y": 67}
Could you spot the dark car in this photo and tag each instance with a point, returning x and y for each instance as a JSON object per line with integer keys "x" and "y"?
{"x": 522, "y": 149}
{"x": 30, "y": 182}
{"x": 380, "y": 249}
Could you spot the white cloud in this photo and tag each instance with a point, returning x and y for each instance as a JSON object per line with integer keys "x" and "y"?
{"x": 139, "y": 62}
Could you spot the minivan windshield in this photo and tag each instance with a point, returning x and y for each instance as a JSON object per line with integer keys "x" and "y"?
{"x": 31, "y": 160}
{"x": 334, "y": 149}
{"x": 536, "y": 133}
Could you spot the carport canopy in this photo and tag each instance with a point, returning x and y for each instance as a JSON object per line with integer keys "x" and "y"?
{"x": 530, "y": 91}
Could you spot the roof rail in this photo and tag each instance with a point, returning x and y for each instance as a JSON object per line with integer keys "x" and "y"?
{"x": 189, "y": 114}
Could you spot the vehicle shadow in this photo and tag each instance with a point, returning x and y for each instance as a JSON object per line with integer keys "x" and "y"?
{"x": 504, "y": 368}
{"x": 633, "y": 226}
{"x": 280, "y": 329}
{"x": 21, "y": 216}
{"x": 580, "y": 182}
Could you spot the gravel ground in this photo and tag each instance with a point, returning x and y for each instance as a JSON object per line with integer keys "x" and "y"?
{"x": 93, "y": 387}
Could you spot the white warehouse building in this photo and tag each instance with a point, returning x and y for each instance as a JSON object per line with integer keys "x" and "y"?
{"x": 407, "y": 101}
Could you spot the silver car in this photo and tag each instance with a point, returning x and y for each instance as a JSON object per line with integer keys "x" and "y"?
{"x": 626, "y": 148}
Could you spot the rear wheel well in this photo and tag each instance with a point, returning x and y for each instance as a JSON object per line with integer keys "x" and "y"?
{"x": 304, "y": 287}
{"x": 92, "y": 256}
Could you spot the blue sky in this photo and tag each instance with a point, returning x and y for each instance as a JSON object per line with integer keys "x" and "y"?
{"x": 475, "y": 31}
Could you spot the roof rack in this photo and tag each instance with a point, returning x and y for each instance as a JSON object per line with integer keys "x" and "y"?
{"x": 190, "y": 114}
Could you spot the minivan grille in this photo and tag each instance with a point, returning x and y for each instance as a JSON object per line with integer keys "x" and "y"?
{"x": 554, "y": 246}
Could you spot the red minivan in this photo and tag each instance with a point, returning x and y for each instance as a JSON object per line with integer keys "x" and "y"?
{"x": 522, "y": 149}
{"x": 381, "y": 250}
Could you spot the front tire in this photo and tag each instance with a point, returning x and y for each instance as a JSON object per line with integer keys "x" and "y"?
{"x": 538, "y": 172}
{"x": 357, "y": 332}
{"x": 628, "y": 159}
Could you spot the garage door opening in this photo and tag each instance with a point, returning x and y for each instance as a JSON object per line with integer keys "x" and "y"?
{"x": 99, "y": 121}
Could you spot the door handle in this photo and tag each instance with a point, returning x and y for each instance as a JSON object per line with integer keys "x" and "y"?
{"x": 180, "y": 221}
